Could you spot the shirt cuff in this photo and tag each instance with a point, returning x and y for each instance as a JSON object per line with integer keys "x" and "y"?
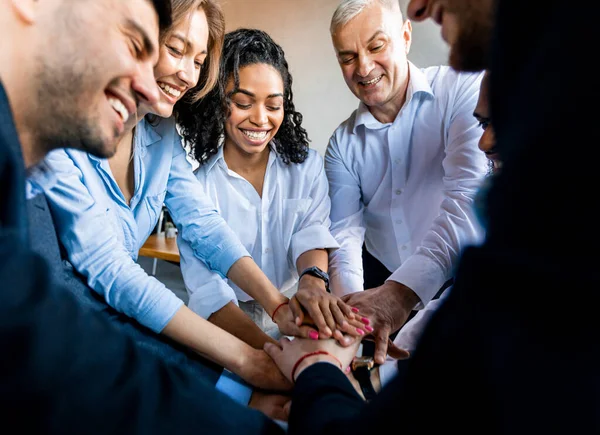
{"x": 346, "y": 282}
{"x": 235, "y": 387}
{"x": 211, "y": 299}
{"x": 309, "y": 238}
{"x": 422, "y": 275}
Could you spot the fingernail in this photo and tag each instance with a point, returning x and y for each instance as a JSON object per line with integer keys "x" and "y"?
{"x": 328, "y": 332}
{"x": 368, "y": 328}
{"x": 365, "y": 321}
{"x": 360, "y": 331}
{"x": 314, "y": 335}
{"x": 354, "y": 309}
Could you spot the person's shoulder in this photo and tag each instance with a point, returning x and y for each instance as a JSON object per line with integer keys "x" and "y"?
{"x": 445, "y": 78}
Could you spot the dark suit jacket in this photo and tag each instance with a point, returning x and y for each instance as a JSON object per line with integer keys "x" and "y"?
{"x": 64, "y": 368}
{"x": 515, "y": 348}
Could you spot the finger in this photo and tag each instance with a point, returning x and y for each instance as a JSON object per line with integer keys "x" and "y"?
{"x": 356, "y": 328}
{"x": 328, "y": 316}
{"x": 273, "y": 351}
{"x": 344, "y": 340}
{"x": 346, "y": 309}
{"x": 296, "y": 310}
{"x": 396, "y": 352}
{"x": 287, "y": 408}
{"x": 339, "y": 316}
{"x": 307, "y": 331}
{"x": 314, "y": 311}
{"x": 382, "y": 337}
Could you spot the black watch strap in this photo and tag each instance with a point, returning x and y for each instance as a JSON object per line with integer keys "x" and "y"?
{"x": 316, "y": 272}
{"x": 363, "y": 376}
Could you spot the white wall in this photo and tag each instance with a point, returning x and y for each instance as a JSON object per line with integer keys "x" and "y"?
{"x": 301, "y": 27}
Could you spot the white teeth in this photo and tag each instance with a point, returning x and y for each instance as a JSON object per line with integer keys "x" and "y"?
{"x": 169, "y": 90}
{"x": 373, "y": 81}
{"x": 119, "y": 107}
{"x": 256, "y": 135}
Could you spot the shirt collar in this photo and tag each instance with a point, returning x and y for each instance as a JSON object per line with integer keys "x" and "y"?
{"x": 218, "y": 158}
{"x": 40, "y": 177}
{"x": 417, "y": 84}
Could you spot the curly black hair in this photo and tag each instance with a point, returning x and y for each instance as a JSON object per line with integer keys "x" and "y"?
{"x": 202, "y": 123}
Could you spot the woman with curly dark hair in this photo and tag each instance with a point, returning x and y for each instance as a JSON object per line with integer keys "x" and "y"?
{"x": 267, "y": 184}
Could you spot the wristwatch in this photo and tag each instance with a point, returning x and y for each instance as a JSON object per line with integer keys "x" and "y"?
{"x": 361, "y": 369}
{"x": 315, "y": 271}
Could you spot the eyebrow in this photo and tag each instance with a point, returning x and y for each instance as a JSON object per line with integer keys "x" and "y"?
{"x": 375, "y": 35}
{"x": 250, "y": 94}
{"x": 149, "y": 47}
{"x": 478, "y": 116}
{"x": 185, "y": 41}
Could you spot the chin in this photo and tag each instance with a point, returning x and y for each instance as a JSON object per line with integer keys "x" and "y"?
{"x": 163, "y": 110}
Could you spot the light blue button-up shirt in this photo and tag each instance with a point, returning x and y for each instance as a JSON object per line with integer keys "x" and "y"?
{"x": 102, "y": 234}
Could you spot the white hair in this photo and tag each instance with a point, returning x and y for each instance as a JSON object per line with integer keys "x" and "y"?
{"x": 348, "y": 9}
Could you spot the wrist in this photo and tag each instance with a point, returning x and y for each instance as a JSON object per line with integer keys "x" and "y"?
{"x": 312, "y": 281}
{"x": 309, "y": 359}
{"x": 405, "y": 296}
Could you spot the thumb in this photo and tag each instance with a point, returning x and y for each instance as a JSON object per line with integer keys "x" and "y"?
{"x": 272, "y": 350}
{"x": 397, "y": 352}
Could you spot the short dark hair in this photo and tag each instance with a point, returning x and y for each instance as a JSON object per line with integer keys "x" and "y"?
{"x": 202, "y": 123}
{"x": 163, "y": 9}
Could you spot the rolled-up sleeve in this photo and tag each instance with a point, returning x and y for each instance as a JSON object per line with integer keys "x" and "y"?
{"x": 208, "y": 292}
{"x": 347, "y": 226}
{"x": 97, "y": 255}
{"x": 313, "y": 231}
{"x": 198, "y": 222}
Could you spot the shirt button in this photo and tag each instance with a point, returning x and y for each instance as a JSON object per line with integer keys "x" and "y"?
{"x": 398, "y": 161}
{"x": 404, "y": 248}
{"x": 399, "y": 221}
{"x": 398, "y": 191}
{"x": 267, "y": 250}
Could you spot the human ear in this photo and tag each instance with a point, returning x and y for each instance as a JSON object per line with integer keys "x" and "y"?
{"x": 25, "y": 10}
{"x": 407, "y": 35}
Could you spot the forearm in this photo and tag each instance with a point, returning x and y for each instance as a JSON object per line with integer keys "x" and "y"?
{"x": 314, "y": 257}
{"x": 208, "y": 340}
{"x": 246, "y": 274}
{"x": 232, "y": 319}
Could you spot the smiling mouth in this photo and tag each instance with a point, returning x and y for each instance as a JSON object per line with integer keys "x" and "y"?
{"x": 371, "y": 82}
{"x": 256, "y": 135}
{"x": 169, "y": 90}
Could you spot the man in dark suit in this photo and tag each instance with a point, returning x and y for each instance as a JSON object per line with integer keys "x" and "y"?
{"x": 73, "y": 72}
{"x": 506, "y": 353}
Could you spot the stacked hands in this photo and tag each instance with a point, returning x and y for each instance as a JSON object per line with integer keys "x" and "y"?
{"x": 325, "y": 328}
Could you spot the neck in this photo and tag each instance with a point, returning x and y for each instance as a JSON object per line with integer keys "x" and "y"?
{"x": 243, "y": 163}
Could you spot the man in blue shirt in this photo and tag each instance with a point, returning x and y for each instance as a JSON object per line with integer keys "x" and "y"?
{"x": 65, "y": 369}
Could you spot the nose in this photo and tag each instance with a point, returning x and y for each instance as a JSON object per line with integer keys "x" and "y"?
{"x": 144, "y": 84}
{"x": 417, "y": 10}
{"x": 187, "y": 73}
{"x": 365, "y": 65}
{"x": 259, "y": 116}
{"x": 487, "y": 141}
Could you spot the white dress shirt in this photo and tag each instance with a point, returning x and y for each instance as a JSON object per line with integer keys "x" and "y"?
{"x": 291, "y": 217}
{"x": 406, "y": 188}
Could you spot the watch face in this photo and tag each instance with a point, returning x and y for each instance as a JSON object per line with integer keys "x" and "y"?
{"x": 363, "y": 361}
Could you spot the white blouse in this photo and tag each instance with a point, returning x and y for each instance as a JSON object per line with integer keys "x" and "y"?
{"x": 291, "y": 218}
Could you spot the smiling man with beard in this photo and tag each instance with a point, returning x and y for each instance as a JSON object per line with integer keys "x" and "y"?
{"x": 72, "y": 72}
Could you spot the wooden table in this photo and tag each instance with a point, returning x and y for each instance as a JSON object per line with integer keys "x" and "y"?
{"x": 158, "y": 246}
